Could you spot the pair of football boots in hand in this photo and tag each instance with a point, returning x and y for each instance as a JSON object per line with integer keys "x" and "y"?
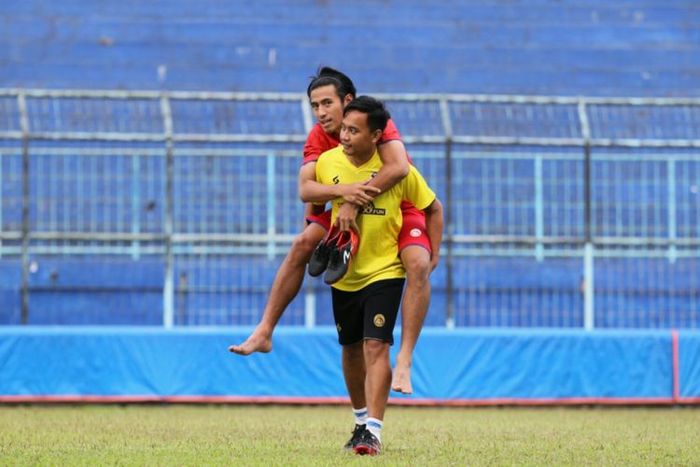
{"x": 334, "y": 254}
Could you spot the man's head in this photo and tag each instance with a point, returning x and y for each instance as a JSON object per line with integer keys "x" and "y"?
{"x": 364, "y": 120}
{"x": 329, "y": 91}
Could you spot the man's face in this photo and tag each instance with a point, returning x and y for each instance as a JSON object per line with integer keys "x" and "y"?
{"x": 355, "y": 135}
{"x": 327, "y": 108}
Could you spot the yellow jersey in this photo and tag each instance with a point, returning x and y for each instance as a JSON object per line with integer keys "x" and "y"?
{"x": 377, "y": 257}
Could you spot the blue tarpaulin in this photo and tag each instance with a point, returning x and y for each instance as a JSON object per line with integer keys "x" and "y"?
{"x": 478, "y": 365}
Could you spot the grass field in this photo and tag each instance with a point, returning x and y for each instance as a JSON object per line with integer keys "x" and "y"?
{"x": 272, "y": 435}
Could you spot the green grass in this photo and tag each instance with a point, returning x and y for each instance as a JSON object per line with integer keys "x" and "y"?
{"x": 233, "y": 435}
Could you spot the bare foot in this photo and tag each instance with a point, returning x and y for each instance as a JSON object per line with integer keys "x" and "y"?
{"x": 401, "y": 382}
{"x": 256, "y": 342}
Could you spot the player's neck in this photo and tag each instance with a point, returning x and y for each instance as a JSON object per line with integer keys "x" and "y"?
{"x": 360, "y": 159}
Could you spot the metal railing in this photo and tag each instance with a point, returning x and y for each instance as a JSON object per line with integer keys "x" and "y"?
{"x": 517, "y": 150}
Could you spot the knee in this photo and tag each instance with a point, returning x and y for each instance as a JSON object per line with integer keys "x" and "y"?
{"x": 303, "y": 246}
{"x": 375, "y": 351}
{"x": 417, "y": 268}
{"x": 354, "y": 350}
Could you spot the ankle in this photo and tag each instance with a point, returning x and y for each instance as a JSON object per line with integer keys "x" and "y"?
{"x": 403, "y": 361}
{"x": 360, "y": 415}
{"x": 263, "y": 330}
{"x": 375, "y": 426}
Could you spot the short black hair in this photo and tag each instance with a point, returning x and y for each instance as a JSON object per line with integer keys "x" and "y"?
{"x": 377, "y": 115}
{"x": 329, "y": 76}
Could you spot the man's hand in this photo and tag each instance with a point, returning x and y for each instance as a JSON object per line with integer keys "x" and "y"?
{"x": 347, "y": 213}
{"x": 434, "y": 260}
{"x": 358, "y": 193}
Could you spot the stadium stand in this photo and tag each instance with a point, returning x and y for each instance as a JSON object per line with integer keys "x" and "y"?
{"x": 595, "y": 48}
{"x": 632, "y": 48}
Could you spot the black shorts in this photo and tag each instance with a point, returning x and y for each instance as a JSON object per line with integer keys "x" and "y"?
{"x": 368, "y": 313}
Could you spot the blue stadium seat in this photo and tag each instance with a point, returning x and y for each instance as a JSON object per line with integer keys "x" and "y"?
{"x": 530, "y": 47}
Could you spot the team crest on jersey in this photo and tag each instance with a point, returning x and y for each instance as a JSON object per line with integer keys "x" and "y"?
{"x": 379, "y": 320}
{"x": 371, "y": 209}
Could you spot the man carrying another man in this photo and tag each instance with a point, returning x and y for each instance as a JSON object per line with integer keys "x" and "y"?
{"x": 367, "y": 298}
{"x": 329, "y": 92}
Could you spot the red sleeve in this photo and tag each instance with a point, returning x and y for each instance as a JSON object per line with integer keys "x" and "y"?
{"x": 391, "y": 133}
{"x": 314, "y": 145}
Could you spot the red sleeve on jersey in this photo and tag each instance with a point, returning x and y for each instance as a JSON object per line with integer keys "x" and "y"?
{"x": 314, "y": 145}
{"x": 390, "y": 133}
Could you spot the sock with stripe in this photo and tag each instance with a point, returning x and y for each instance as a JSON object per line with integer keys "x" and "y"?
{"x": 360, "y": 416}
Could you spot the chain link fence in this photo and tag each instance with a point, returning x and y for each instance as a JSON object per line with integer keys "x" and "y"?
{"x": 176, "y": 208}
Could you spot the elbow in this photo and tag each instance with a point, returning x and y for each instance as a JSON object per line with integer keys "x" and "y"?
{"x": 403, "y": 170}
{"x": 398, "y": 172}
{"x": 304, "y": 197}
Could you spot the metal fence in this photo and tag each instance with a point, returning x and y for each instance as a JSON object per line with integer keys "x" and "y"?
{"x": 176, "y": 208}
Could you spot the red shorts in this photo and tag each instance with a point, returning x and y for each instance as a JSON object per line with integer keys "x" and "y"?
{"x": 413, "y": 231}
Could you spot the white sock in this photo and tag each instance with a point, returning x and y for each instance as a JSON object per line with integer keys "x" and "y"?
{"x": 360, "y": 416}
{"x": 375, "y": 427}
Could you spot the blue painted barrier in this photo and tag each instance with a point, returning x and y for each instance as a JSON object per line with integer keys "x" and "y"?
{"x": 451, "y": 367}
